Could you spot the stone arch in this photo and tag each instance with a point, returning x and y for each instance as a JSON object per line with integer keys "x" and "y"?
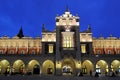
{"x": 34, "y": 67}
{"x": 68, "y": 66}
{"x": 87, "y": 66}
{"x": 4, "y": 66}
{"x": 102, "y": 67}
{"x": 48, "y": 67}
{"x": 18, "y": 67}
{"x": 115, "y": 65}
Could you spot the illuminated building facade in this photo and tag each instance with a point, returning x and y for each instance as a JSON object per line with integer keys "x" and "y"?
{"x": 64, "y": 51}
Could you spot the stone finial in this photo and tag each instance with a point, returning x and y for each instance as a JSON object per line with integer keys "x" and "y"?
{"x": 89, "y": 28}
{"x": 67, "y": 9}
{"x": 43, "y": 27}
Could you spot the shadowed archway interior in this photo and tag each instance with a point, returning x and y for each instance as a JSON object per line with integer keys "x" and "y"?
{"x": 87, "y": 66}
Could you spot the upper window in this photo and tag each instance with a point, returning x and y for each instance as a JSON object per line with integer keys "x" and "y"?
{"x": 98, "y": 52}
{"x": 33, "y": 51}
{"x": 50, "y": 47}
{"x": 83, "y": 48}
{"x": 118, "y": 51}
{"x": 1, "y": 51}
{"x": 67, "y": 41}
{"x": 11, "y": 52}
{"x": 22, "y": 52}
{"x": 109, "y": 51}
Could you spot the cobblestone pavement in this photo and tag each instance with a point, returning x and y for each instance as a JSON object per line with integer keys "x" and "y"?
{"x": 37, "y": 77}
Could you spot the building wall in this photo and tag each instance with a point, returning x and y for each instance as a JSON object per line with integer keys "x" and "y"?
{"x": 20, "y": 46}
{"x": 110, "y": 45}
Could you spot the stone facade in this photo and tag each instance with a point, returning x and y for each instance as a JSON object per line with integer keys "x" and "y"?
{"x": 64, "y": 51}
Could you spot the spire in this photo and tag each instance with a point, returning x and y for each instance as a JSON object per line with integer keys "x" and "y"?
{"x": 67, "y": 9}
{"x": 43, "y": 27}
{"x": 20, "y": 34}
{"x": 89, "y": 27}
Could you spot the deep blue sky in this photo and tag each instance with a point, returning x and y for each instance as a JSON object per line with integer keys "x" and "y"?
{"x": 103, "y": 15}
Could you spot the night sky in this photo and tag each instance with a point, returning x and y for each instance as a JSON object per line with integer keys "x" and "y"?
{"x": 103, "y": 15}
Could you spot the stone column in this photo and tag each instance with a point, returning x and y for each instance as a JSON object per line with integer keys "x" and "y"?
{"x": 43, "y": 48}
{"x": 78, "y": 52}
{"x": 90, "y": 48}
{"x": 58, "y": 56}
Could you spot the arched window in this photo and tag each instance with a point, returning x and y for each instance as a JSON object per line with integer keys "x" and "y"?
{"x": 11, "y": 52}
{"x": 22, "y": 52}
{"x": 50, "y": 47}
{"x": 33, "y": 51}
{"x": 118, "y": 51}
{"x": 98, "y": 52}
{"x": 83, "y": 48}
{"x": 109, "y": 51}
{"x": 1, "y": 51}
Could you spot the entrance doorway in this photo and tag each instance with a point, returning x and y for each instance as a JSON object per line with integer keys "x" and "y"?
{"x": 49, "y": 70}
{"x": 102, "y": 67}
{"x": 67, "y": 70}
{"x": 48, "y": 67}
{"x": 87, "y": 67}
{"x": 36, "y": 69}
{"x": 68, "y": 66}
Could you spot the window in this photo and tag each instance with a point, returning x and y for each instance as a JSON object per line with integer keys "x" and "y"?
{"x": 33, "y": 51}
{"x": 109, "y": 51}
{"x": 50, "y": 47}
{"x": 83, "y": 48}
{"x": 1, "y": 51}
{"x": 118, "y": 51}
{"x": 98, "y": 52}
{"x": 11, "y": 52}
{"x": 22, "y": 52}
{"x": 67, "y": 41}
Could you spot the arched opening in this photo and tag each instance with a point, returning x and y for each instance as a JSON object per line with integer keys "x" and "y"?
{"x": 11, "y": 51}
{"x": 48, "y": 67}
{"x": 87, "y": 67}
{"x": 4, "y": 67}
{"x": 1, "y": 51}
{"x": 33, "y": 67}
{"x": 102, "y": 67}
{"x": 33, "y": 51}
{"x": 36, "y": 69}
{"x": 22, "y": 52}
{"x": 18, "y": 67}
{"x": 115, "y": 66}
{"x": 68, "y": 66}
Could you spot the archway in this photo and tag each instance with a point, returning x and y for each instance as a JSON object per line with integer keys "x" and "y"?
{"x": 115, "y": 66}
{"x": 4, "y": 67}
{"x": 102, "y": 67}
{"x": 18, "y": 67}
{"x": 87, "y": 67}
{"x": 48, "y": 67}
{"x": 34, "y": 67}
{"x": 68, "y": 66}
